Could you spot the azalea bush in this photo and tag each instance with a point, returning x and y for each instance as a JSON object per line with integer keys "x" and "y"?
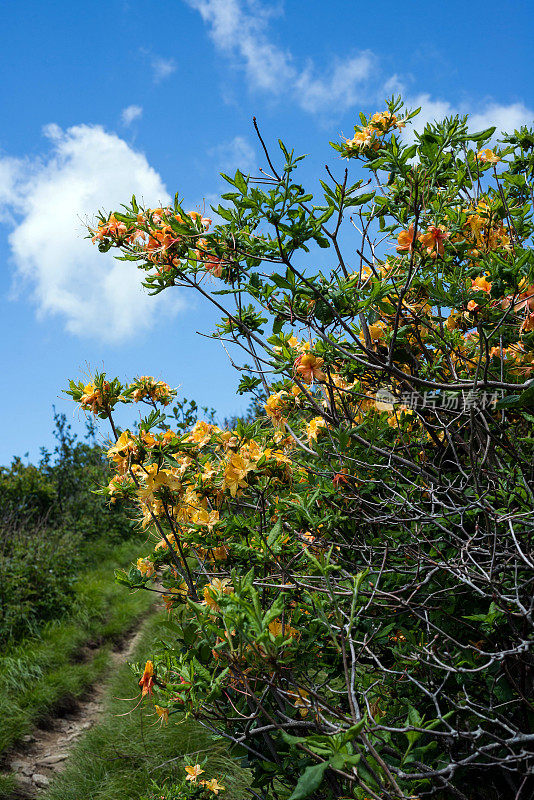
{"x": 349, "y": 573}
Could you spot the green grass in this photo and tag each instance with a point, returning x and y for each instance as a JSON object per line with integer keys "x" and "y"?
{"x": 45, "y": 673}
{"x": 7, "y": 785}
{"x": 120, "y": 757}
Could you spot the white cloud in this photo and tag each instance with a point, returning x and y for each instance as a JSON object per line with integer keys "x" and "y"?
{"x": 342, "y": 88}
{"x": 482, "y": 115}
{"x": 47, "y": 202}
{"x": 131, "y": 113}
{"x": 162, "y": 68}
{"x": 239, "y": 29}
{"x": 235, "y": 154}
{"x": 504, "y": 117}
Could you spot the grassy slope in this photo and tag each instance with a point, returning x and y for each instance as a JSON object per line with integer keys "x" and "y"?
{"x": 41, "y": 674}
{"x": 119, "y": 757}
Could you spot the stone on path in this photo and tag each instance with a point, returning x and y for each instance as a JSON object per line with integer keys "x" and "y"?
{"x": 40, "y": 780}
{"x": 53, "y": 759}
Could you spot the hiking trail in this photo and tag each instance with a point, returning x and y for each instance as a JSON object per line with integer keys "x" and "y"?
{"x": 44, "y": 753}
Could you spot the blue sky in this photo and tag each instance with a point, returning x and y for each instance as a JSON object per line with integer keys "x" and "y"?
{"x": 103, "y": 99}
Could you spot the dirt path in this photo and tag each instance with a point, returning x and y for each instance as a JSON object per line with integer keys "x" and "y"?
{"x": 44, "y": 753}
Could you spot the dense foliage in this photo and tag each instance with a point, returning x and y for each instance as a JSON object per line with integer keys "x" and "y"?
{"x": 350, "y": 575}
{"x": 51, "y": 524}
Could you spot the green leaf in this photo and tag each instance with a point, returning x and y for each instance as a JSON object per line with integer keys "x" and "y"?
{"x": 414, "y": 718}
{"x": 481, "y": 135}
{"x": 278, "y": 324}
{"x": 354, "y": 730}
{"x": 510, "y": 401}
{"x": 274, "y": 533}
{"x": 309, "y": 781}
{"x": 526, "y": 398}
{"x": 280, "y": 281}
{"x": 240, "y": 183}
{"x": 360, "y": 200}
{"x": 287, "y": 737}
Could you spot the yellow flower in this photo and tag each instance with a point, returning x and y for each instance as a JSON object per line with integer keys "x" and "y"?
{"x": 157, "y": 479}
{"x": 174, "y": 594}
{"x": 218, "y": 553}
{"x": 377, "y": 331}
{"x": 488, "y": 157}
{"x": 217, "y": 586}
{"x": 453, "y": 320}
{"x": 207, "y": 518}
{"x": 363, "y": 274}
{"x": 313, "y": 427}
{"x": 300, "y": 700}
{"x": 213, "y": 785}
{"x": 208, "y": 472}
{"x": 291, "y": 342}
{"x": 252, "y": 450}
{"x": 278, "y": 629}
{"x": 124, "y": 442}
{"x": 145, "y": 567}
{"x": 275, "y": 405}
{"x": 303, "y": 346}
{"x": 163, "y": 714}
{"x": 193, "y": 773}
{"x": 201, "y": 433}
{"x": 235, "y": 473}
{"x": 362, "y": 139}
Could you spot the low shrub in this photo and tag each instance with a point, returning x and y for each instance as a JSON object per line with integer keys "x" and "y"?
{"x": 38, "y": 566}
{"x": 53, "y": 525}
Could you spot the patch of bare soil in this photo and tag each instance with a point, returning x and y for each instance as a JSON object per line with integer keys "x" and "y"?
{"x": 44, "y": 753}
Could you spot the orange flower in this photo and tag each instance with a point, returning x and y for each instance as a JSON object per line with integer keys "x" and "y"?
{"x": 147, "y": 679}
{"x": 433, "y": 239}
{"x": 110, "y": 228}
{"x": 193, "y": 773}
{"x": 383, "y": 121}
{"x": 488, "y": 157}
{"x": 405, "y": 240}
{"x": 480, "y": 284}
{"x": 472, "y": 306}
{"x": 340, "y": 477}
{"x": 309, "y": 369}
{"x": 523, "y": 300}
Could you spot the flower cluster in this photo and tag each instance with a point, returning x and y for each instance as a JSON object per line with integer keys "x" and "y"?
{"x": 368, "y": 136}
